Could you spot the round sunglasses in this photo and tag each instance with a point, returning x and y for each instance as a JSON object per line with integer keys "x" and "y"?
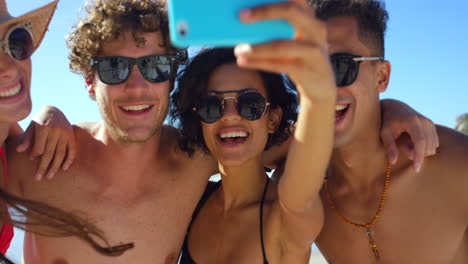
{"x": 113, "y": 70}
{"x": 346, "y": 67}
{"x": 250, "y": 105}
{"x": 18, "y": 42}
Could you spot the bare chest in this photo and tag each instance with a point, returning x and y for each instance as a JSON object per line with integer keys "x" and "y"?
{"x": 416, "y": 225}
{"x": 155, "y": 219}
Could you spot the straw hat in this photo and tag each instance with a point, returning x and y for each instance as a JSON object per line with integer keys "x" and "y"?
{"x": 39, "y": 19}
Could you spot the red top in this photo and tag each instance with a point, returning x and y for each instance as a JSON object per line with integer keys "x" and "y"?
{"x": 6, "y": 235}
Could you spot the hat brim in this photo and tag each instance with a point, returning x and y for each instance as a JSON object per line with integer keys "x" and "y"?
{"x": 39, "y": 18}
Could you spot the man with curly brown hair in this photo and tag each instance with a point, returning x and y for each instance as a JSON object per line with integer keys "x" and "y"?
{"x": 129, "y": 176}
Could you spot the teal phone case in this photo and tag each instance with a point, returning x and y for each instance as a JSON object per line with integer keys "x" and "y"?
{"x": 216, "y": 23}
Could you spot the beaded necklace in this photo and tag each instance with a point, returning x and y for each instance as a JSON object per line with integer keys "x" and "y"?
{"x": 368, "y": 226}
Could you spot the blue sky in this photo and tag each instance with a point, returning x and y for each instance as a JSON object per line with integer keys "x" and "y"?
{"x": 427, "y": 42}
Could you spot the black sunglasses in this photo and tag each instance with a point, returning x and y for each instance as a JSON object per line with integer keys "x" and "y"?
{"x": 115, "y": 70}
{"x": 250, "y": 105}
{"x": 346, "y": 67}
{"x": 18, "y": 42}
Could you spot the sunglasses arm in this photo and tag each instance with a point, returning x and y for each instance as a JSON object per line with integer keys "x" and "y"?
{"x": 368, "y": 58}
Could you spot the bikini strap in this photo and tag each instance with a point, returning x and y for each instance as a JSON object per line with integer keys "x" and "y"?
{"x": 265, "y": 261}
{"x": 210, "y": 188}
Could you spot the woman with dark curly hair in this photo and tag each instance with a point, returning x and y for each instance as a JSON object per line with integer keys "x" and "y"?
{"x": 230, "y": 104}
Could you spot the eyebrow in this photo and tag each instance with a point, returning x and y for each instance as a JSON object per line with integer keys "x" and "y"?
{"x": 238, "y": 92}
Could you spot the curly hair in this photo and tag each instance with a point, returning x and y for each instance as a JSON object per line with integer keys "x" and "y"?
{"x": 192, "y": 84}
{"x": 106, "y": 20}
{"x": 371, "y": 16}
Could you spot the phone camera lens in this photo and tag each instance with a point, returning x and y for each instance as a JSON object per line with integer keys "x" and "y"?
{"x": 182, "y": 29}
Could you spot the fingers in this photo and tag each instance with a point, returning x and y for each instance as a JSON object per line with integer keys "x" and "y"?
{"x": 25, "y": 139}
{"x": 47, "y": 156}
{"x": 60, "y": 152}
{"x": 432, "y": 139}
{"x": 419, "y": 141}
{"x": 288, "y": 50}
{"x": 71, "y": 152}
{"x": 282, "y": 56}
{"x": 419, "y": 154}
{"x": 40, "y": 140}
{"x": 389, "y": 143}
{"x": 297, "y": 13}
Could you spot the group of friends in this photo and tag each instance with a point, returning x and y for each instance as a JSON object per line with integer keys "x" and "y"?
{"x": 368, "y": 181}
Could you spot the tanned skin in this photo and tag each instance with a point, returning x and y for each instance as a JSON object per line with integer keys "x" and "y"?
{"x": 425, "y": 216}
{"x": 142, "y": 191}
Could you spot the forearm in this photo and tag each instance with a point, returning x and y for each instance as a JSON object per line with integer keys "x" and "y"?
{"x": 308, "y": 155}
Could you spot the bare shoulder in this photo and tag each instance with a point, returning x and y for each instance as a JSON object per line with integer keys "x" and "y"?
{"x": 87, "y": 127}
{"x": 453, "y": 149}
{"x": 20, "y": 167}
{"x": 450, "y": 167}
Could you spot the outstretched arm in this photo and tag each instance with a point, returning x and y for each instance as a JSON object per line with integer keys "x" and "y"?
{"x": 305, "y": 60}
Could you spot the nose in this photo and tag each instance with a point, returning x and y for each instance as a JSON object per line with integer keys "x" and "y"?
{"x": 8, "y": 68}
{"x": 230, "y": 109}
{"x": 136, "y": 80}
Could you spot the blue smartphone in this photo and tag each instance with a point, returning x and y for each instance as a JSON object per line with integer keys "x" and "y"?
{"x": 216, "y": 23}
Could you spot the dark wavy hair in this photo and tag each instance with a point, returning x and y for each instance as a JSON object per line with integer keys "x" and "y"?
{"x": 46, "y": 220}
{"x": 192, "y": 85}
{"x": 371, "y": 16}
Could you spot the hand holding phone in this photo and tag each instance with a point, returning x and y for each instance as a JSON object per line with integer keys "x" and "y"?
{"x": 216, "y": 23}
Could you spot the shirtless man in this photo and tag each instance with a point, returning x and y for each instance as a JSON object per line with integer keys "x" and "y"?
{"x": 375, "y": 213}
{"x": 129, "y": 174}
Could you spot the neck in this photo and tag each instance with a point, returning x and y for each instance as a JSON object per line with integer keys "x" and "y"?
{"x": 242, "y": 185}
{"x": 129, "y": 163}
{"x": 360, "y": 163}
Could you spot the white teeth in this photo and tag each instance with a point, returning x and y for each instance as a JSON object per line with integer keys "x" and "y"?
{"x": 135, "y": 107}
{"x": 14, "y": 91}
{"x": 233, "y": 135}
{"x": 340, "y": 107}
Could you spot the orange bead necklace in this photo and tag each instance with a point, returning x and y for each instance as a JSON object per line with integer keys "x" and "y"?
{"x": 368, "y": 226}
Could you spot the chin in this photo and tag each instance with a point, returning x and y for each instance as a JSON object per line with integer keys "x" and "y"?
{"x": 232, "y": 160}
{"x": 18, "y": 113}
{"x": 341, "y": 139}
{"x": 140, "y": 136}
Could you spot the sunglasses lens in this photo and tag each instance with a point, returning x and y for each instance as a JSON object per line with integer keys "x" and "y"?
{"x": 113, "y": 70}
{"x": 251, "y": 106}
{"x": 346, "y": 70}
{"x": 20, "y": 43}
{"x": 210, "y": 110}
{"x": 155, "y": 69}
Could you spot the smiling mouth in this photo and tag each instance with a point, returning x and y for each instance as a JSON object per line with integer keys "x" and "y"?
{"x": 135, "y": 109}
{"x": 11, "y": 92}
{"x": 340, "y": 111}
{"x": 233, "y": 137}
